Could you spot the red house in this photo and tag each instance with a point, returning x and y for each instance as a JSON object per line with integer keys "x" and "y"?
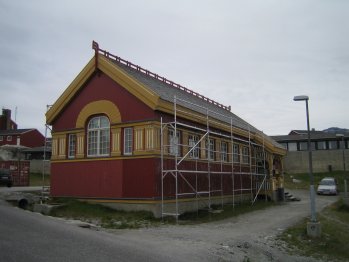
{"x": 127, "y": 137}
{"x": 10, "y": 135}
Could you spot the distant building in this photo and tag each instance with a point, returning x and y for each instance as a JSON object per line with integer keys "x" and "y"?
{"x": 6, "y": 123}
{"x": 10, "y": 135}
{"x": 327, "y": 150}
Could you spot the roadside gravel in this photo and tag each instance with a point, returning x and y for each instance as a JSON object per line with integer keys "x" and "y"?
{"x": 248, "y": 237}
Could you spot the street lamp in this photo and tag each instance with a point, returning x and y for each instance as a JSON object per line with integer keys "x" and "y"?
{"x": 313, "y": 227}
{"x": 343, "y": 154}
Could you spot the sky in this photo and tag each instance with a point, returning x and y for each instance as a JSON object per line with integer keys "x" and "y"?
{"x": 254, "y": 55}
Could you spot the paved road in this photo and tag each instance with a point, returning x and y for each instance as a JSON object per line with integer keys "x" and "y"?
{"x": 27, "y": 236}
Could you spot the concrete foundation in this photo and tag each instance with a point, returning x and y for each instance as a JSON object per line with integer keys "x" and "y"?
{"x": 184, "y": 205}
{"x": 314, "y": 229}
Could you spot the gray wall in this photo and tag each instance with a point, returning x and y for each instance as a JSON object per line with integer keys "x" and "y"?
{"x": 297, "y": 162}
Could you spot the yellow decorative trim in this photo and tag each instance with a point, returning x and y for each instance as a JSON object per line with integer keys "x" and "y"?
{"x": 143, "y": 93}
{"x": 98, "y": 107}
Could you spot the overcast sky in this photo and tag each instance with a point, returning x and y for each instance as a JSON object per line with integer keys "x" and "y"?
{"x": 254, "y": 55}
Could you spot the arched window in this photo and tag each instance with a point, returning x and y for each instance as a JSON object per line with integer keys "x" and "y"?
{"x": 98, "y": 136}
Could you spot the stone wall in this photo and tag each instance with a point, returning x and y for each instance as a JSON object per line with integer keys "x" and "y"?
{"x": 323, "y": 161}
{"x": 36, "y": 166}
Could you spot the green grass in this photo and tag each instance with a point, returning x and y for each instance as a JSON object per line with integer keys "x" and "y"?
{"x": 304, "y": 179}
{"x": 35, "y": 179}
{"x": 101, "y": 215}
{"x": 334, "y": 241}
{"x": 110, "y": 218}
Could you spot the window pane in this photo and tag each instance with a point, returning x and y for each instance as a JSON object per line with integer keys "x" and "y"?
{"x": 303, "y": 146}
{"x": 128, "y": 140}
{"x": 292, "y": 146}
{"x": 321, "y": 145}
{"x": 98, "y": 141}
{"x": 72, "y": 146}
{"x": 174, "y": 142}
{"x": 193, "y": 139}
{"x": 332, "y": 145}
{"x": 236, "y": 153}
{"x": 224, "y": 151}
{"x": 245, "y": 155}
{"x": 210, "y": 149}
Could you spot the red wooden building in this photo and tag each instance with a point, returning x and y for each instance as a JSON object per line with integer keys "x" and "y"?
{"x": 125, "y": 136}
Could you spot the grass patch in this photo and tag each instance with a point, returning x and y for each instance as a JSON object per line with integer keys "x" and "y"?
{"x": 304, "y": 179}
{"x": 103, "y": 216}
{"x": 334, "y": 241}
{"x": 110, "y": 218}
{"x": 35, "y": 179}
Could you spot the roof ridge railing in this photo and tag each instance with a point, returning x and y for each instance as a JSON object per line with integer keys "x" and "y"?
{"x": 156, "y": 76}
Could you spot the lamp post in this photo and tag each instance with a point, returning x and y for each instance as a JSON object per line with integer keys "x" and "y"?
{"x": 345, "y": 175}
{"x": 313, "y": 228}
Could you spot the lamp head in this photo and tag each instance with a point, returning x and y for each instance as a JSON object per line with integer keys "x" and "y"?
{"x": 301, "y": 98}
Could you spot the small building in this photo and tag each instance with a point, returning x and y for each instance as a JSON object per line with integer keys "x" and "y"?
{"x": 15, "y": 147}
{"x": 327, "y": 150}
{"x": 127, "y": 137}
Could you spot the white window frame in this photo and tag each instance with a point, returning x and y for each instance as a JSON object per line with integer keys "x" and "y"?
{"x": 245, "y": 155}
{"x": 1, "y": 138}
{"x": 9, "y": 138}
{"x": 98, "y": 137}
{"x": 192, "y": 141}
{"x": 210, "y": 149}
{"x": 224, "y": 151}
{"x": 71, "y": 145}
{"x": 174, "y": 142}
{"x": 128, "y": 141}
{"x": 236, "y": 153}
{"x": 292, "y": 146}
{"x": 330, "y": 143}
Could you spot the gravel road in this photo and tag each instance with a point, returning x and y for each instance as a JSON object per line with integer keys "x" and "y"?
{"x": 248, "y": 237}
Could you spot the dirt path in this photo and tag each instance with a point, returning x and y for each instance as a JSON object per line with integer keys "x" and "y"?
{"x": 249, "y": 237}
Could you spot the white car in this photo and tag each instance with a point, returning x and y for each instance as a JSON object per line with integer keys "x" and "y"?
{"x": 327, "y": 186}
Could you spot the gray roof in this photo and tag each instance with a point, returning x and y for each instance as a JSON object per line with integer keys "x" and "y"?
{"x": 168, "y": 90}
{"x": 313, "y": 136}
{"x": 14, "y": 131}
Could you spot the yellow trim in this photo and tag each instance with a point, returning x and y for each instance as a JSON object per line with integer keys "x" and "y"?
{"x": 143, "y": 93}
{"x": 69, "y": 93}
{"x": 105, "y": 158}
{"x": 98, "y": 107}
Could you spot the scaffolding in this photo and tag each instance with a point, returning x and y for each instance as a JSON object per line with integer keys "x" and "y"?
{"x": 181, "y": 162}
{"x": 45, "y": 190}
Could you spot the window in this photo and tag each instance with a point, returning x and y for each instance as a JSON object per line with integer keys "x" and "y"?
{"x": 292, "y": 146}
{"x": 236, "y": 153}
{"x": 174, "y": 142}
{"x": 224, "y": 151}
{"x": 72, "y": 146}
{"x": 9, "y": 138}
{"x": 303, "y": 146}
{"x": 210, "y": 148}
{"x": 321, "y": 145}
{"x": 98, "y": 136}
{"x": 193, "y": 140}
{"x": 128, "y": 141}
{"x": 245, "y": 155}
{"x": 1, "y": 138}
{"x": 332, "y": 145}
